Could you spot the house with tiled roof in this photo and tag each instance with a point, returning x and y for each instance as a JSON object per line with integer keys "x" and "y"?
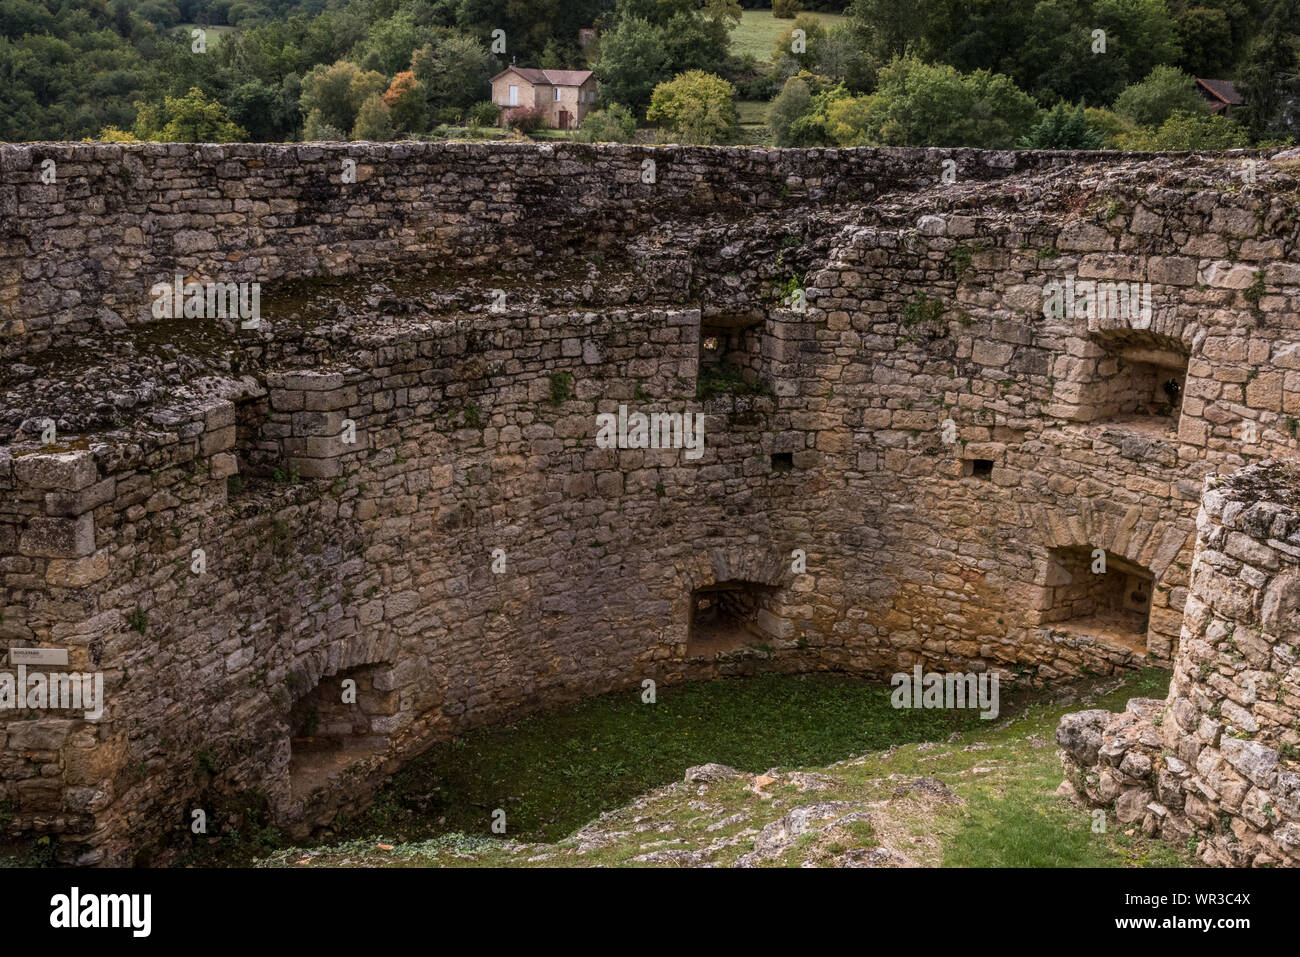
{"x": 1220, "y": 94}
{"x": 565, "y": 96}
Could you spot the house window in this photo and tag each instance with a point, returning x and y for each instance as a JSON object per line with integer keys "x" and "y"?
{"x": 557, "y": 94}
{"x": 514, "y": 95}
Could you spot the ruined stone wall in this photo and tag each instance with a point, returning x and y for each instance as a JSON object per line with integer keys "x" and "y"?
{"x": 327, "y": 559}
{"x": 79, "y": 254}
{"x": 939, "y": 318}
{"x": 1216, "y": 762}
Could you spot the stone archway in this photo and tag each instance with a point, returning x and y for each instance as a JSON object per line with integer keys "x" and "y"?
{"x": 734, "y": 599}
{"x": 1137, "y": 548}
{"x": 342, "y": 707}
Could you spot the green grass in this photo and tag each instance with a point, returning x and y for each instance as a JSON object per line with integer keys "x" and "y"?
{"x": 213, "y": 35}
{"x": 758, "y": 30}
{"x": 555, "y": 771}
{"x": 724, "y": 380}
{"x": 752, "y": 112}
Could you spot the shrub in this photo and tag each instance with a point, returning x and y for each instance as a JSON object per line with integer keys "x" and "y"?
{"x": 525, "y": 119}
{"x": 786, "y": 9}
{"x": 1063, "y": 128}
{"x": 614, "y": 124}
{"x": 485, "y": 113}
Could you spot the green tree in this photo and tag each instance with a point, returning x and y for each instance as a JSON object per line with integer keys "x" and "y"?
{"x": 374, "y": 120}
{"x": 1063, "y": 128}
{"x": 632, "y": 62}
{"x": 1164, "y": 91}
{"x": 1205, "y": 35}
{"x": 454, "y": 71}
{"x": 191, "y": 118}
{"x": 794, "y": 101}
{"x": 700, "y": 106}
{"x": 1270, "y": 75}
{"x": 922, "y": 105}
{"x": 335, "y": 93}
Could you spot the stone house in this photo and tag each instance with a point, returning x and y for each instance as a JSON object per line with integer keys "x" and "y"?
{"x": 565, "y": 95}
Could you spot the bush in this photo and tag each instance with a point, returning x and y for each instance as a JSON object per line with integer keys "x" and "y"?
{"x": 1189, "y": 131}
{"x": 614, "y": 124}
{"x": 1062, "y": 129}
{"x": 525, "y": 119}
{"x": 483, "y": 114}
{"x": 374, "y": 121}
{"x": 786, "y": 9}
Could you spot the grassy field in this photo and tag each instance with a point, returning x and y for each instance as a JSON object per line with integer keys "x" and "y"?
{"x": 214, "y": 34}
{"x": 758, "y": 30}
{"x": 555, "y": 772}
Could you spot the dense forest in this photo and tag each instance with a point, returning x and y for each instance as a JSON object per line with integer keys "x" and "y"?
{"x": 1066, "y": 73}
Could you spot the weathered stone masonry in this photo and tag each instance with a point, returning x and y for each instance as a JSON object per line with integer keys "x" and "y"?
{"x": 475, "y": 431}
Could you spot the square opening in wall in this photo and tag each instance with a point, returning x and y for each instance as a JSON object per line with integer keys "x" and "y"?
{"x": 977, "y": 468}
{"x": 782, "y": 461}
{"x": 730, "y": 615}
{"x": 1136, "y": 379}
{"x": 332, "y": 726}
{"x": 730, "y": 360}
{"x": 1093, "y": 592}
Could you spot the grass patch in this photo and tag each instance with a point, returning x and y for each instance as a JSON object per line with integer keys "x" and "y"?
{"x": 555, "y": 771}
{"x": 758, "y": 31}
{"x": 724, "y": 380}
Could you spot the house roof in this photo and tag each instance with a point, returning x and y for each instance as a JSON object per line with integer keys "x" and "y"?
{"x": 1221, "y": 90}
{"x": 550, "y": 77}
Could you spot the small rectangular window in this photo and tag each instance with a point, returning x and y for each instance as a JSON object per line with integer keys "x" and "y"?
{"x": 514, "y": 96}
{"x": 978, "y": 468}
{"x": 782, "y": 461}
{"x": 557, "y": 94}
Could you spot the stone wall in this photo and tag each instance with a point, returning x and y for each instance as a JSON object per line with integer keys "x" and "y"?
{"x": 79, "y": 254}
{"x": 473, "y": 554}
{"x": 1218, "y": 761}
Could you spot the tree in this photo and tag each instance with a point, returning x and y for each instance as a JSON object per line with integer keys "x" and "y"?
{"x": 336, "y": 93}
{"x": 1270, "y": 77}
{"x": 700, "y": 106}
{"x": 792, "y": 102}
{"x": 256, "y": 107}
{"x": 1063, "y": 128}
{"x": 784, "y": 53}
{"x": 405, "y": 99}
{"x": 454, "y": 70}
{"x": 786, "y": 9}
{"x": 922, "y": 105}
{"x": 614, "y": 124}
{"x": 191, "y": 118}
{"x": 1205, "y": 34}
{"x": 374, "y": 120}
{"x": 632, "y": 62}
{"x": 1164, "y": 91}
